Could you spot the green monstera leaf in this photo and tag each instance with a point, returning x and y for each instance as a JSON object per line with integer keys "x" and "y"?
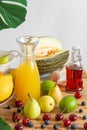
{"x": 12, "y": 13}
{"x": 4, "y": 125}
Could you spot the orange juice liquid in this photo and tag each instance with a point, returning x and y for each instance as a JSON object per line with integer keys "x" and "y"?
{"x": 27, "y": 81}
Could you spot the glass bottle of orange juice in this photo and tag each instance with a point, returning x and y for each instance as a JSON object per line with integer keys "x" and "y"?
{"x": 27, "y": 79}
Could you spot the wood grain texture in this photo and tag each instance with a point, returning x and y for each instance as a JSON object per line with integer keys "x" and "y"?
{"x": 7, "y": 114}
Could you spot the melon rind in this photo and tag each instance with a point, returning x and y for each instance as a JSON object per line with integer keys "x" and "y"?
{"x": 52, "y": 63}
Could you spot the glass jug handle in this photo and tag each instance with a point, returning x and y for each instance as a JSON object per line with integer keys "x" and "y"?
{"x": 15, "y": 53}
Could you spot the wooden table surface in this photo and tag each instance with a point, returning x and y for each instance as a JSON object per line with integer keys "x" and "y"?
{"x": 7, "y": 114}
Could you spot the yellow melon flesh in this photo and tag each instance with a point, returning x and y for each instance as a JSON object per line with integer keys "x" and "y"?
{"x": 47, "y": 47}
{"x": 50, "y": 42}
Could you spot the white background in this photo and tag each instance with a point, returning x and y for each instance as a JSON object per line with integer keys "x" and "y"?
{"x": 63, "y": 19}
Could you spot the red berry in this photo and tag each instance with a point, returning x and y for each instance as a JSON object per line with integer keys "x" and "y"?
{"x": 15, "y": 117}
{"x": 25, "y": 121}
{"x": 19, "y": 126}
{"x": 46, "y": 117}
{"x": 78, "y": 95}
{"x": 18, "y": 103}
{"x": 73, "y": 117}
{"x": 85, "y": 125}
{"x": 66, "y": 122}
{"x": 59, "y": 117}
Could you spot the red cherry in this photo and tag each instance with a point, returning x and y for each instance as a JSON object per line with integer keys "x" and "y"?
{"x": 66, "y": 122}
{"x": 78, "y": 95}
{"x": 59, "y": 117}
{"x": 19, "y": 126}
{"x": 25, "y": 121}
{"x": 85, "y": 125}
{"x": 18, "y": 103}
{"x": 46, "y": 117}
{"x": 15, "y": 117}
{"x": 73, "y": 117}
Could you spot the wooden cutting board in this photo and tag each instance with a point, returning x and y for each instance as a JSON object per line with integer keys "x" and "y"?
{"x": 7, "y": 114}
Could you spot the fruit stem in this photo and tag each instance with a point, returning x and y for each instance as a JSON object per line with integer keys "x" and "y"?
{"x": 63, "y": 110}
{"x": 30, "y": 97}
{"x": 54, "y": 84}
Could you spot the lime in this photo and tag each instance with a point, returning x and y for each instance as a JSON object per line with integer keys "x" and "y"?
{"x": 68, "y": 104}
{"x": 4, "y": 59}
{"x": 46, "y": 85}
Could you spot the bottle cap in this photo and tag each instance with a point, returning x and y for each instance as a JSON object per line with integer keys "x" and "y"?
{"x": 76, "y": 47}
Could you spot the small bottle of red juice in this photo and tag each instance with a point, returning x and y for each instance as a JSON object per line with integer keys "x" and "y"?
{"x": 74, "y": 71}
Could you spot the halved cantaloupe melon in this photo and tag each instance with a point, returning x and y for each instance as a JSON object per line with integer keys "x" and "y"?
{"x": 50, "y": 55}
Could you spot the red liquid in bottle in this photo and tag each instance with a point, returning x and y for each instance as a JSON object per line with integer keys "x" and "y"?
{"x": 74, "y": 78}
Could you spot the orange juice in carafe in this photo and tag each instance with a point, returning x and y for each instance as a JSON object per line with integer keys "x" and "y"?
{"x": 27, "y": 76}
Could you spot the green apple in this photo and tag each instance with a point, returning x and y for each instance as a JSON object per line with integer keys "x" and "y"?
{"x": 4, "y": 59}
{"x": 46, "y": 103}
{"x": 32, "y": 109}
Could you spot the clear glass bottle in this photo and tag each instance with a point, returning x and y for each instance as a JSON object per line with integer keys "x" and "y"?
{"x": 74, "y": 71}
{"x": 27, "y": 76}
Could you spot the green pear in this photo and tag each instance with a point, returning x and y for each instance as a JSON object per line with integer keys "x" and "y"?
{"x": 32, "y": 109}
{"x": 56, "y": 93}
{"x": 4, "y": 59}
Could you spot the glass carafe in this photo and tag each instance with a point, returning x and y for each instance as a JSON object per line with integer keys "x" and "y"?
{"x": 27, "y": 76}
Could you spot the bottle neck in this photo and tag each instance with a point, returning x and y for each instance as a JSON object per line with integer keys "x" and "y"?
{"x": 26, "y": 52}
{"x": 27, "y": 46}
{"x": 76, "y": 56}
{"x": 75, "y": 59}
